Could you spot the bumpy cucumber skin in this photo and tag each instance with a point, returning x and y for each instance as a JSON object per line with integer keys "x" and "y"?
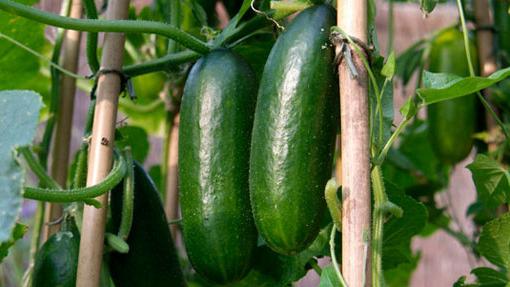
{"x": 152, "y": 259}
{"x": 294, "y": 133}
{"x": 214, "y": 146}
{"x": 452, "y": 123}
{"x": 57, "y": 260}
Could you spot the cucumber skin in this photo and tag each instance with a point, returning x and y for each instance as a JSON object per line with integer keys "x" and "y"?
{"x": 56, "y": 262}
{"x": 214, "y": 145}
{"x": 452, "y": 123}
{"x": 294, "y": 133}
{"x": 152, "y": 259}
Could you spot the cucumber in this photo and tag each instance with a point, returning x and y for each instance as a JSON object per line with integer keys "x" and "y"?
{"x": 152, "y": 259}
{"x": 294, "y": 131}
{"x": 214, "y": 146}
{"x": 452, "y": 123}
{"x": 56, "y": 262}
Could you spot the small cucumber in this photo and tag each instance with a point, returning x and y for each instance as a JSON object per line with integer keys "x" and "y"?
{"x": 452, "y": 123}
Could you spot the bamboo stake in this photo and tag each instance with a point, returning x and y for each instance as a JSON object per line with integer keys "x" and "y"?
{"x": 101, "y": 149}
{"x": 486, "y": 58}
{"x": 172, "y": 191}
{"x": 352, "y": 18}
{"x": 62, "y": 137}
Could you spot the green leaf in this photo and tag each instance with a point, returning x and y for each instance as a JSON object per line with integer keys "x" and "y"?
{"x": 137, "y": 139}
{"x": 388, "y": 69}
{"x": 428, "y": 6}
{"x": 415, "y": 145}
{"x": 491, "y": 180}
{"x": 401, "y": 275}
{"x": 487, "y": 277}
{"x": 386, "y": 102}
{"x": 17, "y": 233}
{"x": 494, "y": 243}
{"x": 329, "y": 277}
{"x": 441, "y": 87}
{"x": 155, "y": 174}
{"x": 18, "y": 65}
{"x": 19, "y": 112}
{"x": 275, "y": 270}
{"x": 399, "y": 231}
{"x": 255, "y": 51}
{"x": 409, "y": 109}
{"x": 410, "y": 60}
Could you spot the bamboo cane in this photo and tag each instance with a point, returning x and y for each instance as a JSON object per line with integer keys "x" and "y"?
{"x": 100, "y": 151}
{"x": 62, "y": 137}
{"x": 355, "y": 153}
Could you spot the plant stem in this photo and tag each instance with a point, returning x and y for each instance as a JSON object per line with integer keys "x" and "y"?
{"x": 288, "y": 7}
{"x": 391, "y": 26}
{"x": 90, "y": 25}
{"x": 91, "y": 12}
{"x": 391, "y": 140}
{"x": 127, "y": 198}
{"x": 175, "y": 8}
{"x": 377, "y": 226}
{"x": 164, "y": 63}
{"x": 472, "y": 71}
{"x": 38, "y": 55}
{"x": 38, "y": 169}
{"x": 334, "y": 261}
{"x": 79, "y": 194}
{"x": 315, "y": 266}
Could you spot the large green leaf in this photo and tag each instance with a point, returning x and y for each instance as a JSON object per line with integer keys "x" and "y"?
{"x": 410, "y": 60}
{"x": 494, "y": 243}
{"x": 18, "y": 65}
{"x": 137, "y": 139}
{"x": 19, "y": 112}
{"x": 329, "y": 277}
{"x": 17, "y": 233}
{"x": 399, "y": 231}
{"x": 441, "y": 87}
{"x": 488, "y": 277}
{"x": 401, "y": 275}
{"x": 491, "y": 179}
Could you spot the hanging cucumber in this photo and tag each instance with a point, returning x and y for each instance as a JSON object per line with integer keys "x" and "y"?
{"x": 214, "y": 146}
{"x": 294, "y": 133}
{"x": 57, "y": 260}
{"x": 152, "y": 259}
{"x": 453, "y": 122}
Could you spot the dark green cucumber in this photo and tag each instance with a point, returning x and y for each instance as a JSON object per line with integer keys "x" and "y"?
{"x": 57, "y": 260}
{"x": 294, "y": 133}
{"x": 152, "y": 259}
{"x": 214, "y": 146}
{"x": 453, "y": 122}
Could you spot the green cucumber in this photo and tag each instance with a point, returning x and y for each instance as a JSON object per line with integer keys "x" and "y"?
{"x": 214, "y": 146}
{"x": 56, "y": 262}
{"x": 296, "y": 121}
{"x": 452, "y": 123}
{"x": 152, "y": 259}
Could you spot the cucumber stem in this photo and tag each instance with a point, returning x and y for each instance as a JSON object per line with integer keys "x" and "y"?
{"x": 91, "y": 25}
